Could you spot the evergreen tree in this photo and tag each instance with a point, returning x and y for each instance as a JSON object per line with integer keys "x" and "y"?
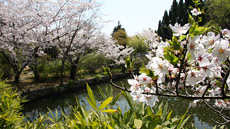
{"x": 159, "y": 30}
{"x": 119, "y": 35}
{"x": 173, "y": 12}
{"x": 117, "y": 28}
{"x": 166, "y": 32}
{"x": 181, "y": 13}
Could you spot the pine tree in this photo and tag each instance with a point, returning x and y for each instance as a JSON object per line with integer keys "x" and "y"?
{"x": 173, "y": 12}
{"x": 159, "y": 30}
{"x": 165, "y": 27}
{"x": 181, "y": 13}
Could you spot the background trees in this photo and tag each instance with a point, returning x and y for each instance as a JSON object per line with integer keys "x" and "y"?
{"x": 177, "y": 13}
{"x": 119, "y": 35}
{"x": 218, "y": 12}
{"x": 64, "y": 29}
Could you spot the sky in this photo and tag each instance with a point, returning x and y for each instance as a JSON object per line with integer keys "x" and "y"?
{"x": 134, "y": 15}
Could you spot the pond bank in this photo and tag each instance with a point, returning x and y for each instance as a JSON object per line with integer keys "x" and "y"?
{"x": 67, "y": 87}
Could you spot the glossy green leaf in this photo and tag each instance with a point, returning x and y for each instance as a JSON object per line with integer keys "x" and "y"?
{"x": 105, "y": 103}
{"x": 182, "y": 37}
{"x": 199, "y": 30}
{"x": 169, "y": 55}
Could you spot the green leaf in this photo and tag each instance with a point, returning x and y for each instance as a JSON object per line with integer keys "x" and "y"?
{"x": 137, "y": 123}
{"x": 169, "y": 115}
{"x": 200, "y": 30}
{"x": 140, "y": 108}
{"x": 109, "y": 111}
{"x": 183, "y": 120}
{"x": 175, "y": 45}
{"x": 91, "y": 104}
{"x": 182, "y": 37}
{"x": 91, "y": 97}
{"x": 128, "y": 63}
{"x": 148, "y": 72}
{"x": 101, "y": 92}
{"x": 129, "y": 100}
{"x": 105, "y": 103}
{"x": 107, "y": 70}
{"x": 115, "y": 99}
{"x": 191, "y": 19}
{"x": 154, "y": 122}
{"x": 169, "y": 55}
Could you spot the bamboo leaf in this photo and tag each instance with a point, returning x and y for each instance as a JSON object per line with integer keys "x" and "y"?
{"x": 101, "y": 92}
{"x": 115, "y": 99}
{"x": 91, "y": 97}
{"x": 169, "y": 115}
{"x": 109, "y": 111}
{"x": 105, "y": 103}
{"x": 91, "y": 104}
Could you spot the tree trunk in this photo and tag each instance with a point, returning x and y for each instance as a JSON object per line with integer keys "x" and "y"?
{"x": 36, "y": 73}
{"x": 16, "y": 78}
{"x": 62, "y": 70}
{"x": 74, "y": 69}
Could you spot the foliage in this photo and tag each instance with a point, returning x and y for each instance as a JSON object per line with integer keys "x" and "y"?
{"x": 138, "y": 44}
{"x": 119, "y": 35}
{"x": 91, "y": 62}
{"x": 5, "y": 68}
{"x": 218, "y": 12}
{"x": 10, "y": 108}
{"x": 178, "y": 13}
{"x": 49, "y": 68}
{"x": 99, "y": 116}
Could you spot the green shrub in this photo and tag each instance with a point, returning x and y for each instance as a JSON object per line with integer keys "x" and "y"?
{"x": 101, "y": 115}
{"x": 10, "y": 115}
{"x": 138, "y": 44}
{"x": 91, "y": 62}
{"x": 50, "y": 68}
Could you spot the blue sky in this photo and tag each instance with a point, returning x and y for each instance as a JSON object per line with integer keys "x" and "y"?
{"x": 134, "y": 15}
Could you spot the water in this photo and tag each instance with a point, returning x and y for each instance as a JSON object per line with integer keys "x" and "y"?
{"x": 202, "y": 116}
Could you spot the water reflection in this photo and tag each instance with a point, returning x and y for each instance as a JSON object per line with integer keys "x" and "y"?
{"x": 201, "y": 115}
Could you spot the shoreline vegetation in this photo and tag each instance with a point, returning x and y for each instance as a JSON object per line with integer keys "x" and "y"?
{"x": 35, "y": 90}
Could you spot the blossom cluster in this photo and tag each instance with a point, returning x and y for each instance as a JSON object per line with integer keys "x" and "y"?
{"x": 195, "y": 64}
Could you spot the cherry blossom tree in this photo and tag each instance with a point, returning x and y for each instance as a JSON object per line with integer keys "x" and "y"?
{"x": 20, "y": 34}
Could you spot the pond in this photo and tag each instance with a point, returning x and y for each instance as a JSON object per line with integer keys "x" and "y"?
{"x": 202, "y": 116}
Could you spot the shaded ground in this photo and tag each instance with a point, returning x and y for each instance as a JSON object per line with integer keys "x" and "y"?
{"x": 27, "y": 82}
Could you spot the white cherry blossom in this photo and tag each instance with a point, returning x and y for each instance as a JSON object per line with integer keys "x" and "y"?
{"x": 193, "y": 77}
{"x": 179, "y": 30}
{"x": 221, "y": 50}
{"x": 195, "y": 12}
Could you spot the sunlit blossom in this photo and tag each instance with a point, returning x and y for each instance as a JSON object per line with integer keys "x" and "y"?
{"x": 209, "y": 40}
{"x": 221, "y": 50}
{"x": 179, "y": 30}
{"x": 195, "y": 12}
{"x": 193, "y": 77}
